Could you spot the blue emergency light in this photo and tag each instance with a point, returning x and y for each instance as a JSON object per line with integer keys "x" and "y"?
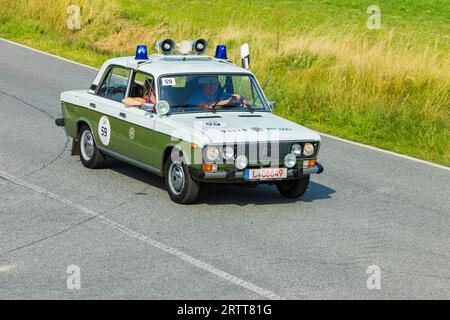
{"x": 221, "y": 52}
{"x": 141, "y": 52}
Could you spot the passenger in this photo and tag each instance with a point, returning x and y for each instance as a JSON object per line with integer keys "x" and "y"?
{"x": 149, "y": 96}
{"x": 207, "y": 97}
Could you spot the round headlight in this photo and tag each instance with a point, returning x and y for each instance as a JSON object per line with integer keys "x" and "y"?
{"x": 212, "y": 153}
{"x": 296, "y": 149}
{"x": 290, "y": 160}
{"x": 241, "y": 162}
{"x": 308, "y": 149}
{"x": 228, "y": 153}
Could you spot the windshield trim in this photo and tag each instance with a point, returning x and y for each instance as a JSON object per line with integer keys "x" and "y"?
{"x": 252, "y": 76}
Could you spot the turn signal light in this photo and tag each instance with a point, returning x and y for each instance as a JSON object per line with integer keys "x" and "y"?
{"x": 209, "y": 167}
{"x": 309, "y": 163}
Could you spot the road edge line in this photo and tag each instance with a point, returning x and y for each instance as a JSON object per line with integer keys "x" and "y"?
{"x": 48, "y": 54}
{"x": 392, "y": 153}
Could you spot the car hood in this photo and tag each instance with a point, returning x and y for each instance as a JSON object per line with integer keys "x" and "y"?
{"x": 223, "y": 127}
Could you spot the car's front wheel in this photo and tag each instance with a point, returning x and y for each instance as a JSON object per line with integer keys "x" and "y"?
{"x": 293, "y": 188}
{"x": 90, "y": 156}
{"x": 179, "y": 183}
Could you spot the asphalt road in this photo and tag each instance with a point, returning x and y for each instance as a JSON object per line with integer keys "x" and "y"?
{"x": 129, "y": 240}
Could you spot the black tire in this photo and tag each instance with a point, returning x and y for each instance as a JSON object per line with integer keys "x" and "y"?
{"x": 185, "y": 190}
{"x": 293, "y": 188}
{"x": 94, "y": 160}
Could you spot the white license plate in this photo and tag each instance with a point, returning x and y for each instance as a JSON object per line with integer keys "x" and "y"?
{"x": 265, "y": 173}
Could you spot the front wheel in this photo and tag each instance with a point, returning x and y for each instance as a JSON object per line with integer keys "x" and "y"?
{"x": 179, "y": 183}
{"x": 293, "y": 188}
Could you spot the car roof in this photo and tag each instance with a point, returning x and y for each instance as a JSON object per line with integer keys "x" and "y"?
{"x": 158, "y": 65}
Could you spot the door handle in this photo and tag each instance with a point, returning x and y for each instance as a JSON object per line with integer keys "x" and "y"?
{"x": 122, "y": 115}
{"x": 92, "y": 105}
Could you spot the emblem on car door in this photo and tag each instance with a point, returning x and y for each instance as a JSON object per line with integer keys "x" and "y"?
{"x": 131, "y": 133}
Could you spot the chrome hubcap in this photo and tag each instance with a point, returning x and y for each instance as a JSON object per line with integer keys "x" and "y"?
{"x": 176, "y": 178}
{"x": 87, "y": 145}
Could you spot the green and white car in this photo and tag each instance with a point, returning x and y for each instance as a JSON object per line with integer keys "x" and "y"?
{"x": 234, "y": 140}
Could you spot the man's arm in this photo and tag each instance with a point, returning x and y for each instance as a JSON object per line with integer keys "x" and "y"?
{"x": 133, "y": 102}
{"x": 233, "y": 99}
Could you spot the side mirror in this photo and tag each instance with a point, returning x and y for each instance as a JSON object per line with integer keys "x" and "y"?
{"x": 245, "y": 56}
{"x": 150, "y": 107}
{"x": 272, "y": 104}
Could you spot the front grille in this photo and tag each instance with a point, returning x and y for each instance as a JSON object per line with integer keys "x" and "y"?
{"x": 267, "y": 152}
{"x": 263, "y": 152}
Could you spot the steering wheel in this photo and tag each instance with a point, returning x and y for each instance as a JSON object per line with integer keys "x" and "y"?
{"x": 241, "y": 102}
{"x": 238, "y": 102}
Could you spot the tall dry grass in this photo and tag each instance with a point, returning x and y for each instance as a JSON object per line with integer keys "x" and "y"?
{"x": 51, "y": 15}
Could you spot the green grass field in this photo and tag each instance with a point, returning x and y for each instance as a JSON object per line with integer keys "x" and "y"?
{"x": 388, "y": 87}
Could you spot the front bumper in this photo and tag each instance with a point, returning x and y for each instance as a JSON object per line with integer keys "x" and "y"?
{"x": 238, "y": 175}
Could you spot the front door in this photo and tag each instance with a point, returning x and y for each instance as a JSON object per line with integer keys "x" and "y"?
{"x": 109, "y": 110}
{"x": 127, "y": 131}
{"x": 136, "y": 130}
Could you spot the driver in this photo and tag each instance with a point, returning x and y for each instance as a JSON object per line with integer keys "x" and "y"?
{"x": 210, "y": 95}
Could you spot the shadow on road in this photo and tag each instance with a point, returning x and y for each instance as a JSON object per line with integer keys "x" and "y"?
{"x": 214, "y": 194}
{"x": 261, "y": 195}
{"x": 135, "y": 173}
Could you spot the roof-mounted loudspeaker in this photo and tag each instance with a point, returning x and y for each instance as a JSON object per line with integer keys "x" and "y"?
{"x": 165, "y": 46}
{"x": 200, "y": 46}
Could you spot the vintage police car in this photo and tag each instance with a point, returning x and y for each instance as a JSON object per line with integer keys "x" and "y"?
{"x": 209, "y": 122}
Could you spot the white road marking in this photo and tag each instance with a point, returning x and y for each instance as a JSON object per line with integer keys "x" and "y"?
{"x": 324, "y": 134}
{"x": 48, "y": 54}
{"x": 386, "y": 151}
{"x": 7, "y": 268}
{"x": 134, "y": 234}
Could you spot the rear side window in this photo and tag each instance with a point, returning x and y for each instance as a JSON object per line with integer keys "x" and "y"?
{"x": 114, "y": 86}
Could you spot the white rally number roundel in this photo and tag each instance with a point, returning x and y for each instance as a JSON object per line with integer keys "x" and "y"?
{"x": 104, "y": 130}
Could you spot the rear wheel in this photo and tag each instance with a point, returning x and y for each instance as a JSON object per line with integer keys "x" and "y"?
{"x": 293, "y": 188}
{"x": 90, "y": 156}
{"x": 179, "y": 183}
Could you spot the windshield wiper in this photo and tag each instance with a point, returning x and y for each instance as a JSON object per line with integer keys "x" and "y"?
{"x": 229, "y": 105}
{"x": 213, "y": 107}
{"x": 183, "y": 106}
{"x": 250, "y": 108}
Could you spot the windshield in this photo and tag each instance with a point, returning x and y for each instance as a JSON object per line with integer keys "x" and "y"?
{"x": 214, "y": 92}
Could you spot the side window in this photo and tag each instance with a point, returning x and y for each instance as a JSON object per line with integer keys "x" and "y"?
{"x": 114, "y": 86}
{"x": 142, "y": 86}
{"x": 102, "y": 88}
